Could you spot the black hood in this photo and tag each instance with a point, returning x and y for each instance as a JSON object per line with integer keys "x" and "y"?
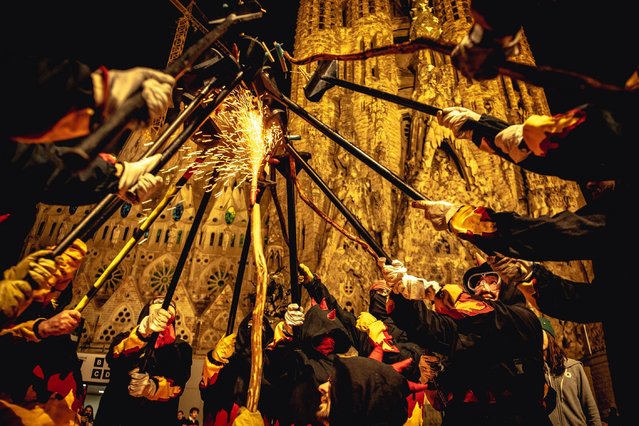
{"x": 319, "y": 322}
{"x": 243, "y": 340}
{"x": 367, "y": 392}
{"x": 377, "y": 306}
{"x": 508, "y": 294}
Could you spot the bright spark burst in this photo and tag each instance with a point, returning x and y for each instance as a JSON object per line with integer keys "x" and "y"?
{"x": 244, "y": 143}
{"x": 239, "y": 150}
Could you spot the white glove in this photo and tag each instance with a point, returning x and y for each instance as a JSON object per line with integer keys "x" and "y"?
{"x": 133, "y": 171}
{"x": 155, "y": 322}
{"x": 455, "y": 118}
{"x": 157, "y": 88}
{"x": 392, "y": 273}
{"x": 413, "y": 288}
{"x": 438, "y": 212}
{"x": 294, "y": 317}
{"x": 512, "y": 271}
{"x": 144, "y": 189}
{"x": 511, "y": 141}
{"x": 141, "y": 384}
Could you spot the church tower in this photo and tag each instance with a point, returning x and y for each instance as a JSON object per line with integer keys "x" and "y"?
{"x": 415, "y": 147}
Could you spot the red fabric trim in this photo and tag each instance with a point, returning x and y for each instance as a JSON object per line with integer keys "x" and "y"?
{"x": 109, "y": 158}
{"x": 326, "y": 346}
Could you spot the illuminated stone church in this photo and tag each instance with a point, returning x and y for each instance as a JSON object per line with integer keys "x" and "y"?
{"x": 409, "y": 143}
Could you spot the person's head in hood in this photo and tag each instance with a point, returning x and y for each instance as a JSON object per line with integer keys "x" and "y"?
{"x": 379, "y": 292}
{"x": 482, "y": 281}
{"x": 363, "y": 391}
{"x": 323, "y": 333}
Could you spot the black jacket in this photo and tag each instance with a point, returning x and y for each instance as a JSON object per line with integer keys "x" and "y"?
{"x": 117, "y": 407}
{"x": 495, "y": 356}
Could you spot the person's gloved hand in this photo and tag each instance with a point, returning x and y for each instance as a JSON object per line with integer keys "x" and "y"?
{"x": 39, "y": 267}
{"x": 511, "y": 141}
{"x": 512, "y": 271}
{"x": 246, "y": 417}
{"x": 438, "y": 213}
{"x": 224, "y": 349}
{"x": 459, "y": 120}
{"x": 480, "y": 52}
{"x": 364, "y": 321}
{"x": 294, "y": 317}
{"x": 63, "y": 323}
{"x": 429, "y": 368}
{"x": 15, "y": 297}
{"x": 413, "y": 288}
{"x": 155, "y": 322}
{"x": 305, "y": 276}
{"x": 141, "y": 384}
{"x": 144, "y": 189}
{"x": 392, "y": 273}
{"x": 69, "y": 262}
{"x": 132, "y": 175}
{"x": 156, "y": 86}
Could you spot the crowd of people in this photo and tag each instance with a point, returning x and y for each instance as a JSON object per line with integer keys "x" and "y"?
{"x": 480, "y": 352}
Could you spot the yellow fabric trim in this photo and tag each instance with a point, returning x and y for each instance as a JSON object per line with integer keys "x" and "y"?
{"x": 376, "y": 331}
{"x": 209, "y": 372}
{"x": 450, "y": 294}
{"x": 22, "y": 331}
{"x": 54, "y": 412}
{"x": 467, "y": 221}
{"x": 131, "y": 344}
{"x": 15, "y": 297}
{"x": 166, "y": 390}
{"x": 279, "y": 336}
{"x": 416, "y": 418}
{"x": 73, "y": 125}
{"x": 537, "y": 128}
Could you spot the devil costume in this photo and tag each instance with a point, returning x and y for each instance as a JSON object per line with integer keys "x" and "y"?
{"x": 169, "y": 366}
{"x": 495, "y": 370}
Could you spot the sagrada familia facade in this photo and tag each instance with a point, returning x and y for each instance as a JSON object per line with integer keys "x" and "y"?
{"x": 408, "y": 142}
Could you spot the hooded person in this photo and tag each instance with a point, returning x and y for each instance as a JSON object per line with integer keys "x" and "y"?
{"x": 226, "y": 376}
{"x": 135, "y": 397}
{"x": 494, "y": 373}
{"x": 387, "y": 332}
{"x": 363, "y": 391}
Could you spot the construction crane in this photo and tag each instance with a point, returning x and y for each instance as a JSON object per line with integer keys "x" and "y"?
{"x": 179, "y": 40}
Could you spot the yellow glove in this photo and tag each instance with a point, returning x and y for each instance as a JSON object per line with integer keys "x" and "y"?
{"x": 306, "y": 276}
{"x": 224, "y": 349}
{"x": 15, "y": 296}
{"x": 69, "y": 262}
{"x": 248, "y": 418}
{"x": 40, "y": 268}
{"x": 364, "y": 321}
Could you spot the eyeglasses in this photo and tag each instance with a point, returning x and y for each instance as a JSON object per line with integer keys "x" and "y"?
{"x": 475, "y": 280}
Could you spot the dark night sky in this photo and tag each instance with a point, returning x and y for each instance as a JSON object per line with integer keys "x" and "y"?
{"x": 594, "y": 40}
